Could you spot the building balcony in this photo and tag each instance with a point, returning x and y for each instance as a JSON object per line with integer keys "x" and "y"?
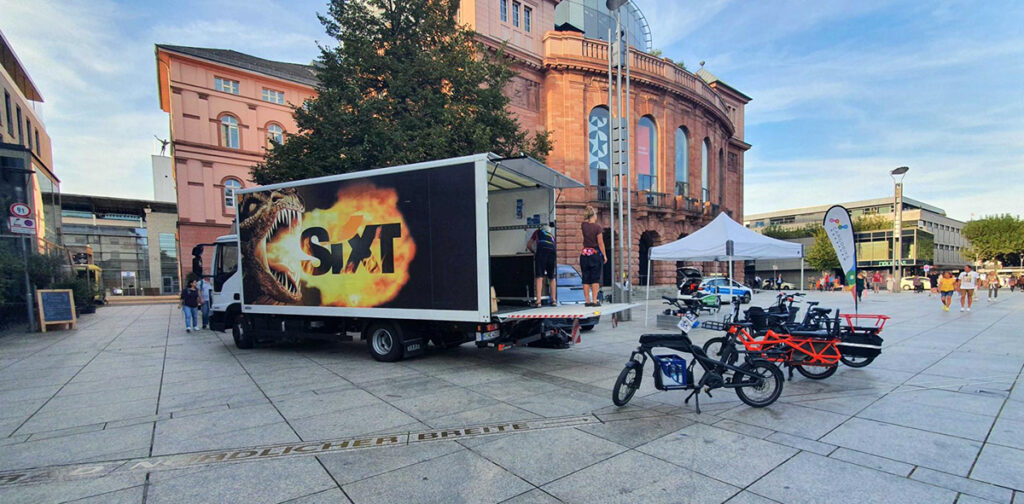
{"x": 571, "y": 50}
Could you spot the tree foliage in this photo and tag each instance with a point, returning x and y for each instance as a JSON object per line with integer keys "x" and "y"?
{"x": 822, "y": 256}
{"x": 404, "y": 83}
{"x": 781, "y": 233}
{"x": 998, "y": 237}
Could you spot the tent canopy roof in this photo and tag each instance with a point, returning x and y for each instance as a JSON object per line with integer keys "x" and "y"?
{"x": 711, "y": 243}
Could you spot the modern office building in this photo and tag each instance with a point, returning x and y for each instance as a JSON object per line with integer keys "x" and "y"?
{"x": 929, "y": 236}
{"x": 26, "y": 158}
{"x": 686, "y": 129}
{"x": 133, "y": 241}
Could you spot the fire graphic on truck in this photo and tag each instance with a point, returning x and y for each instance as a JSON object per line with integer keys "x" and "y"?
{"x": 355, "y": 253}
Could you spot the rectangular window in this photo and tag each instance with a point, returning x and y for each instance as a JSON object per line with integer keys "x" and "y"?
{"x": 503, "y": 7}
{"x": 28, "y": 128}
{"x": 7, "y": 107}
{"x": 37, "y": 141}
{"x": 21, "y": 132}
{"x": 527, "y": 18}
{"x": 515, "y": 13}
{"x": 272, "y": 96}
{"x": 226, "y": 85}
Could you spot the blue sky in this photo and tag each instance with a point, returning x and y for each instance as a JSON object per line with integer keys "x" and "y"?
{"x": 843, "y": 91}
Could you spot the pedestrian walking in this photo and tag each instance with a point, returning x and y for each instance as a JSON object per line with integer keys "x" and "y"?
{"x": 189, "y": 303}
{"x": 993, "y": 287}
{"x": 542, "y": 244}
{"x": 876, "y": 281}
{"x": 592, "y": 256}
{"x": 947, "y": 284}
{"x": 861, "y": 285}
{"x": 778, "y": 282}
{"x": 966, "y": 283}
{"x": 206, "y": 291}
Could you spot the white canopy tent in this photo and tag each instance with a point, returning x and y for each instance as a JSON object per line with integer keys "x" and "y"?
{"x": 723, "y": 239}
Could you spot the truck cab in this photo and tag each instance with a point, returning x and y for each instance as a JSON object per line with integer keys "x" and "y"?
{"x": 227, "y": 283}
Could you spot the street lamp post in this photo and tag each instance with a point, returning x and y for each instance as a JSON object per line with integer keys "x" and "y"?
{"x": 897, "y": 175}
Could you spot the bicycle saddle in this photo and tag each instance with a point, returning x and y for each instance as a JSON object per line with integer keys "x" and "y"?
{"x": 678, "y": 341}
{"x": 817, "y": 334}
{"x": 821, "y": 311}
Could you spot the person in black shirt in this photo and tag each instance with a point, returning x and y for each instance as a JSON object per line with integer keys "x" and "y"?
{"x": 542, "y": 244}
{"x": 190, "y": 302}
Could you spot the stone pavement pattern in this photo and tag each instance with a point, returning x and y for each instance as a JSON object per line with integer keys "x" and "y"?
{"x": 939, "y": 417}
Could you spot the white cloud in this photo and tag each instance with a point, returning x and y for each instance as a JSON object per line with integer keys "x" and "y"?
{"x": 98, "y": 86}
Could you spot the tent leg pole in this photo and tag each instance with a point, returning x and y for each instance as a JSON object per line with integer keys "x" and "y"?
{"x": 801, "y": 274}
{"x": 647, "y": 304}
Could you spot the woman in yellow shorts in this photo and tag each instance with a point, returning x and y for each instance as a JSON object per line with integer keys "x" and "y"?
{"x": 947, "y": 284}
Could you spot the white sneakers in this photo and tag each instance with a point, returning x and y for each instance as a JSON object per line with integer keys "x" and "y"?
{"x": 961, "y": 308}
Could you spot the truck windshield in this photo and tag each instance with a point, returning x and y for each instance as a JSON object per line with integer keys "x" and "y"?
{"x": 225, "y": 265}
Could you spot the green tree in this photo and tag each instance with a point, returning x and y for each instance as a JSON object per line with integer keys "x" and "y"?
{"x": 997, "y": 237}
{"x": 822, "y": 256}
{"x": 404, "y": 83}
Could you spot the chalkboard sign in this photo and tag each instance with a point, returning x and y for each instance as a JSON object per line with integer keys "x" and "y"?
{"x": 56, "y": 306}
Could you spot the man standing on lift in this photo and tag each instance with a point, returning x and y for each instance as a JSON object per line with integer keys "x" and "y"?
{"x": 542, "y": 244}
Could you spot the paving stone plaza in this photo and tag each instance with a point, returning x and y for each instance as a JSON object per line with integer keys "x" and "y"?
{"x": 937, "y": 418}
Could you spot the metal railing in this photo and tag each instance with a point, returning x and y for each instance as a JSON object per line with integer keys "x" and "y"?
{"x": 652, "y": 199}
{"x": 596, "y": 51}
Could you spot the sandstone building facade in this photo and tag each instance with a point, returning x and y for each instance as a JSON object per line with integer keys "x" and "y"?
{"x": 686, "y": 129}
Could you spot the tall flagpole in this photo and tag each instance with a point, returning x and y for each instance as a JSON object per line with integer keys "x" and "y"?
{"x": 612, "y": 158}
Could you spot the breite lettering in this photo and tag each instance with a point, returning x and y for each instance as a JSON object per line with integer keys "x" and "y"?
{"x": 93, "y": 470}
{"x": 82, "y": 471}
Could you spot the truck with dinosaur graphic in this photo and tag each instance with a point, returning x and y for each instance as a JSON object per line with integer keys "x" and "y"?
{"x": 401, "y": 257}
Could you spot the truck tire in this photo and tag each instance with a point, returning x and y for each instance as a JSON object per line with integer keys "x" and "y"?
{"x": 243, "y": 340}
{"x": 384, "y": 340}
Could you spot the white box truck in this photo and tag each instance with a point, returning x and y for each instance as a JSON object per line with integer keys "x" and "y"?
{"x": 401, "y": 256}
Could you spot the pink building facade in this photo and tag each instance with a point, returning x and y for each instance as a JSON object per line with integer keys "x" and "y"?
{"x": 223, "y": 108}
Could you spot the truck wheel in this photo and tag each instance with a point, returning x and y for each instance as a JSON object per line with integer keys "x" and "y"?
{"x": 243, "y": 340}
{"x": 384, "y": 339}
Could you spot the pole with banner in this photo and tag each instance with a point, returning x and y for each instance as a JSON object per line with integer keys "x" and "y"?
{"x": 839, "y": 229}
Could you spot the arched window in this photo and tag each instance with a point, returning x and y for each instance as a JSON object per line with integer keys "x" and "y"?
{"x": 275, "y": 134}
{"x": 600, "y": 147}
{"x": 705, "y": 193}
{"x": 230, "y": 186}
{"x": 229, "y": 131}
{"x": 646, "y": 154}
{"x": 682, "y": 162}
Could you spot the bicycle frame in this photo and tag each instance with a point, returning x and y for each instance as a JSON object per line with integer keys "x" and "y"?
{"x": 784, "y": 348}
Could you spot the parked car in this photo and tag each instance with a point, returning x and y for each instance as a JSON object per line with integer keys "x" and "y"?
{"x": 570, "y": 292}
{"x": 727, "y": 288}
{"x": 907, "y": 283}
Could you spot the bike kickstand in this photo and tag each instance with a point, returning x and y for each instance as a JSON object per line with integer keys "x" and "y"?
{"x": 687, "y": 400}
{"x": 790, "y": 373}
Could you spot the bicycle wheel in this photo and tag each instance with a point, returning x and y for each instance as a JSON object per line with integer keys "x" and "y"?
{"x": 626, "y": 384}
{"x": 765, "y": 393}
{"x": 817, "y": 372}
{"x": 856, "y": 362}
{"x": 713, "y": 348}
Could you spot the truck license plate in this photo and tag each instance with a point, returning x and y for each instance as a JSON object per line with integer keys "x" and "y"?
{"x": 487, "y": 336}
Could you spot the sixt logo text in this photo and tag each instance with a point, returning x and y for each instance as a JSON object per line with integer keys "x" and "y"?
{"x": 333, "y": 259}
